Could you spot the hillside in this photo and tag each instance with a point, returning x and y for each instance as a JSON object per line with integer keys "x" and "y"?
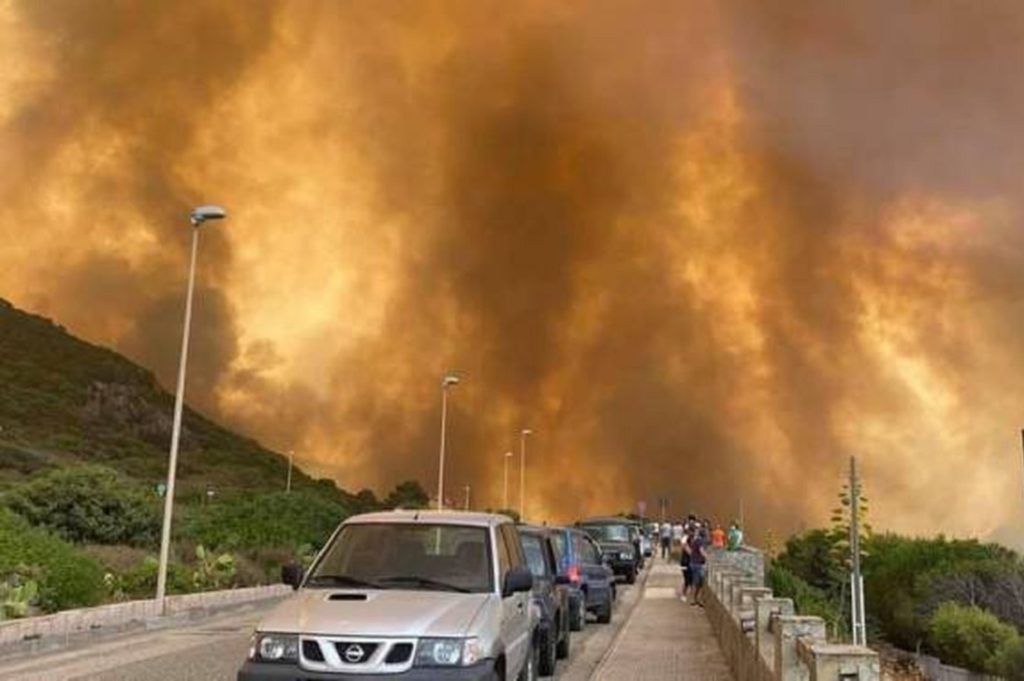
{"x": 65, "y": 401}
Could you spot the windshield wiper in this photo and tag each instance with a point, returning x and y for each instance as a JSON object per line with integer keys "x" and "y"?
{"x": 341, "y": 580}
{"x": 426, "y": 582}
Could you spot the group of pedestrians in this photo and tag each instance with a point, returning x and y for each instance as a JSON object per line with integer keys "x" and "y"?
{"x": 695, "y": 538}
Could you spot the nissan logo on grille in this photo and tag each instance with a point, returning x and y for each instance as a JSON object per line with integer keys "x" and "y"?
{"x": 354, "y": 653}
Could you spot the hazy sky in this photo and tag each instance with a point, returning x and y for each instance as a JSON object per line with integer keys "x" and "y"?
{"x": 704, "y": 249}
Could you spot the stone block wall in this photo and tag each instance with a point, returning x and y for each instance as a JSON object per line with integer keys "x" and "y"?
{"x": 761, "y": 636}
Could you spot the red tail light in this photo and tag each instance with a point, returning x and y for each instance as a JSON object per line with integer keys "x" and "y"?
{"x": 574, "y": 574}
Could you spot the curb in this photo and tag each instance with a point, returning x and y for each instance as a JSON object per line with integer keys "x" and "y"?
{"x": 60, "y": 627}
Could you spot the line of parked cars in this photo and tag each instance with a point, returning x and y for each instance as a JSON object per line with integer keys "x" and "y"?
{"x": 433, "y": 596}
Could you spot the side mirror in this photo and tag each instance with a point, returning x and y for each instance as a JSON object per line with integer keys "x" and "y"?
{"x": 563, "y": 580}
{"x": 292, "y": 574}
{"x": 517, "y": 580}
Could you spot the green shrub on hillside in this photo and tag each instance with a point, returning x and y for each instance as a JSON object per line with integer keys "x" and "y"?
{"x": 808, "y": 599}
{"x": 1009, "y": 661}
{"x": 66, "y": 578}
{"x": 970, "y": 637}
{"x": 88, "y": 504}
{"x": 280, "y": 519}
{"x": 907, "y": 579}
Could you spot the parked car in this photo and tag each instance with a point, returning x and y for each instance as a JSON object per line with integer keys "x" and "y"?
{"x": 551, "y": 594}
{"x": 591, "y": 581}
{"x": 619, "y": 544}
{"x": 411, "y": 595}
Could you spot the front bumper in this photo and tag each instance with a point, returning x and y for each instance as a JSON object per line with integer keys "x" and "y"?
{"x": 263, "y": 671}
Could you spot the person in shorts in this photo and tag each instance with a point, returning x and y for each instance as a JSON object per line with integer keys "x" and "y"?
{"x": 698, "y": 563}
{"x": 684, "y": 563}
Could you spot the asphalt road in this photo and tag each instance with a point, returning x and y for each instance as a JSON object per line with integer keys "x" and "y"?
{"x": 213, "y": 649}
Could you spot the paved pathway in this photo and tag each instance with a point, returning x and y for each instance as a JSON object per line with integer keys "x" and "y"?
{"x": 664, "y": 639}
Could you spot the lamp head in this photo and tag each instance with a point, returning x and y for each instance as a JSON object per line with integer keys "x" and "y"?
{"x": 449, "y": 381}
{"x": 201, "y": 214}
{"x": 527, "y": 431}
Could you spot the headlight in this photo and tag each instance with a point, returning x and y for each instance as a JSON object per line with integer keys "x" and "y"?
{"x": 274, "y": 647}
{"x": 626, "y": 555}
{"x": 448, "y": 652}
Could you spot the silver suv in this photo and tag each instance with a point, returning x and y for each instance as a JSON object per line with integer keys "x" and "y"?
{"x": 411, "y": 595}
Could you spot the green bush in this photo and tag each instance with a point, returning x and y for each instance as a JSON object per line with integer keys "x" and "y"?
{"x": 88, "y": 504}
{"x": 1010, "y": 660}
{"x": 808, "y": 599}
{"x": 280, "y": 519}
{"x": 140, "y": 580}
{"x": 66, "y": 577}
{"x": 970, "y": 637}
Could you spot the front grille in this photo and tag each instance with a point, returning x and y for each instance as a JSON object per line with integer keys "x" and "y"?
{"x": 311, "y": 651}
{"x": 352, "y": 652}
{"x": 401, "y": 652}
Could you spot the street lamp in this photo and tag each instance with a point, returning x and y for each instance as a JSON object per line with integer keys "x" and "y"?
{"x": 523, "y": 434}
{"x": 504, "y": 507}
{"x": 446, "y": 383}
{"x": 291, "y": 457}
{"x": 198, "y": 217}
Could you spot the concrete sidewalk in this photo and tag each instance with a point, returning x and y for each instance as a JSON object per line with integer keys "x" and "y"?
{"x": 664, "y": 639}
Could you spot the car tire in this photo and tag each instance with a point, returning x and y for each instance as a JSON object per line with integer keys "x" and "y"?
{"x": 631, "y": 576}
{"x": 604, "y": 611}
{"x": 578, "y": 616}
{"x": 564, "y": 644}
{"x": 529, "y": 672}
{"x": 548, "y": 654}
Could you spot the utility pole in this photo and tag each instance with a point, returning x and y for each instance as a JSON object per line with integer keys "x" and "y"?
{"x": 466, "y": 488}
{"x": 856, "y": 579}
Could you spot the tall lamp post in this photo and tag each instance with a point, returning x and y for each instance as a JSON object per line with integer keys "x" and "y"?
{"x": 504, "y": 502}
{"x": 198, "y": 217}
{"x": 466, "y": 488}
{"x": 291, "y": 458}
{"x": 523, "y": 434}
{"x": 446, "y": 383}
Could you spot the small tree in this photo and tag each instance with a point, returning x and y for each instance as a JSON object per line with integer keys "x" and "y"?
{"x": 408, "y": 494}
{"x": 840, "y": 533}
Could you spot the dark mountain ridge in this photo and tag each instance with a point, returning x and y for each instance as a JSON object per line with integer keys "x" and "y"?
{"x": 65, "y": 401}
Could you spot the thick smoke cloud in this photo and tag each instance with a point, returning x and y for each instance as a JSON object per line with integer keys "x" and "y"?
{"x": 705, "y": 250}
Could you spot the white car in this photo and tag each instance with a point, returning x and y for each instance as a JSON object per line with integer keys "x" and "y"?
{"x": 411, "y": 595}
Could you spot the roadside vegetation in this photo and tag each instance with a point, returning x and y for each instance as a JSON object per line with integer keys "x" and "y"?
{"x": 959, "y": 600}
{"x": 84, "y": 435}
{"x": 62, "y": 547}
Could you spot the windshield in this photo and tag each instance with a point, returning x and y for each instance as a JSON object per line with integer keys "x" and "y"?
{"x": 426, "y": 556}
{"x": 608, "y": 532}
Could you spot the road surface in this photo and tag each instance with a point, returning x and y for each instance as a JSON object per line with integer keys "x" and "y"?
{"x": 213, "y": 649}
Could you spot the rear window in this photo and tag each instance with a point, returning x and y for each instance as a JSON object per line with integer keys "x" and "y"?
{"x": 533, "y": 547}
{"x": 608, "y": 532}
{"x": 558, "y": 540}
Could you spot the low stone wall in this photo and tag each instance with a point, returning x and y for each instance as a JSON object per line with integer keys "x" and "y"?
{"x": 763, "y": 639}
{"x": 61, "y": 626}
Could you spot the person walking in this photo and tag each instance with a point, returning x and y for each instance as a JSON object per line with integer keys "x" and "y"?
{"x": 684, "y": 564}
{"x": 698, "y": 561}
{"x": 665, "y": 533}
